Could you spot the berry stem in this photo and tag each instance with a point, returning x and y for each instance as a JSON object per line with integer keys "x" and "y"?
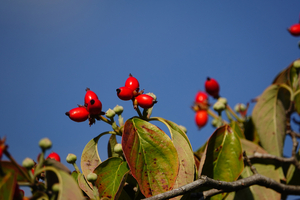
{"x": 229, "y": 109}
{"x": 121, "y": 120}
{"x": 215, "y": 116}
{"x": 105, "y": 120}
{"x": 139, "y": 112}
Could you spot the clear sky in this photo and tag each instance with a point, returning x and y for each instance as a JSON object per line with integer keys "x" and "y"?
{"x": 50, "y": 51}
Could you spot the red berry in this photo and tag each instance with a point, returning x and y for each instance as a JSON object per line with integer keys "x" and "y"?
{"x": 89, "y": 95}
{"x": 1, "y": 153}
{"x": 78, "y": 114}
{"x": 201, "y": 97}
{"x": 212, "y": 87}
{"x": 54, "y": 156}
{"x": 145, "y": 101}
{"x": 201, "y": 118}
{"x": 94, "y": 107}
{"x": 132, "y": 83}
{"x": 125, "y": 93}
{"x": 295, "y": 30}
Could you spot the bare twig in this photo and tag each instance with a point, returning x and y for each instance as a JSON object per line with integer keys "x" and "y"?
{"x": 223, "y": 186}
{"x": 253, "y": 169}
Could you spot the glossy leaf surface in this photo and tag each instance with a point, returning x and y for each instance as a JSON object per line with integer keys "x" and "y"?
{"x": 269, "y": 119}
{"x": 151, "y": 156}
{"x": 237, "y": 129}
{"x": 223, "y": 158}
{"x": 112, "y": 174}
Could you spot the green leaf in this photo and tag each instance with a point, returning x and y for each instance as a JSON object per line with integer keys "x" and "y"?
{"x": 90, "y": 157}
{"x": 10, "y": 167}
{"x": 184, "y": 149}
{"x": 288, "y": 76}
{"x": 112, "y": 175}
{"x": 7, "y": 183}
{"x": 68, "y": 188}
{"x": 223, "y": 157}
{"x": 266, "y": 169}
{"x": 237, "y": 129}
{"x": 270, "y": 120}
{"x": 110, "y": 147}
{"x": 151, "y": 156}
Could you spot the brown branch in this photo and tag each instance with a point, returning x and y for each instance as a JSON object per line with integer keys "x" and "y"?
{"x": 223, "y": 186}
{"x": 246, "y": 158}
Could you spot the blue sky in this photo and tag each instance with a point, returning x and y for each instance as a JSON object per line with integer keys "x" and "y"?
{"x": 50, "y": 51}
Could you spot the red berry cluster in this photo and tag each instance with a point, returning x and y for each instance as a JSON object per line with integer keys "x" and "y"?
{"x": 201, "y": 102}
{"x": 131, "y": 92}
{"x": 92, "y": 109}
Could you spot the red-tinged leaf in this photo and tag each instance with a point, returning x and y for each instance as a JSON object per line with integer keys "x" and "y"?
{"x": 7, "y": 184}
{"x": 84, "y": 185}
{"x": 184, "y": 149}
{"x": 151, "y": 156}
{"x": 223, "y": 157}
{"x": 10, "y": 167}
{"x": 112, "y": 175}
{"x": 68, "y": 187}
{"x": 90, "y": 157}
{"x": 269, "y": 118}
{"x": 266, "y": 169}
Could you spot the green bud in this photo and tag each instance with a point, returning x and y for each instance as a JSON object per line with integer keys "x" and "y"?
{"x": 152, "y": 95}
{"x": 118, "y": 148}
{"x": 110, "y": 113}
{"x": 296, "y": 64}
{"x": 45, "y": 143}
{"x": 239, "y": 107}
{"x": 118, "y": 109}
{"x": 91, "y": 177}
{"x": 222, "y": 100}
{"x": 55, "y": 187}
{"x": 219, "y": 106}
{"x": 28, "y": 163}
{"x": 71, "y": 158}
{"x": 183, "y": 128}
{"x": 216, "y": 123}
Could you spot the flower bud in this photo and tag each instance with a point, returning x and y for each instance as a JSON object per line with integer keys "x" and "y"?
{"x": 239, "y": 107}
{"x": 71, "y": 158}
{"x": 28, "y": 163}
{"x": 219, "y": 106}
{"x": 222, "y": 100}
{"x": 55, "y": 187}
{"x": 118, "y": 148}
{"x": 45, "y": 143}
{"x": 118, "y": 109}
{"x": 296, "y": 64}
{"x": 91, "y": 177}
{"x": 110, "y": 113}
{"x": 152, "y": 95}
